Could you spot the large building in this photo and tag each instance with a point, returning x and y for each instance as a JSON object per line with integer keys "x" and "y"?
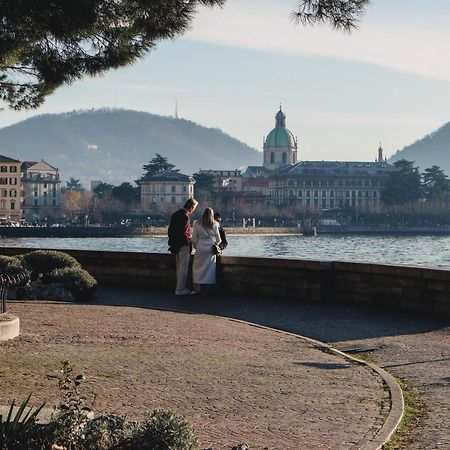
{"x": 41, "y": 191}
{"x": 10, "y": 190}
{"x": 314, "y": 184}
{"x": 165, "y": 189}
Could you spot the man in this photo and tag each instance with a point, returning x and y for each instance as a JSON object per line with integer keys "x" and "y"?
{"x": 224, "y": 243}
{"x": 180, "y": 243}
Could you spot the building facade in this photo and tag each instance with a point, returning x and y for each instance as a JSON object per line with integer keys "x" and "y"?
{"x": 165, "y": 189}
{"x": 314, "y": 184}
{"x": 41, "y": 188}
{"x": 10, "y": 190}
{"x": 330, "y": 184}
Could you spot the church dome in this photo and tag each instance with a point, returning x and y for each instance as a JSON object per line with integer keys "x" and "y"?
{"x": 280, "y": 136}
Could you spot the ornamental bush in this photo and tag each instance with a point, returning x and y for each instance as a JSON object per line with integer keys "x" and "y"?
{"x": 10, "y": 265}
{"x": 164, "y": 430}
{"x": 108, "y": 432}
{"x": 41, "y": 262}
{"x": 75, "y": 279}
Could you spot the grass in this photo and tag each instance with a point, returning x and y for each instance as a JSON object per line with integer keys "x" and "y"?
{"x": 413, "y": 414}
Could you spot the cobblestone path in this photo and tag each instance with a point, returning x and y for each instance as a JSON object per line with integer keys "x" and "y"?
{"x": 234, "y": 382}
{"x": 416, "y": 347}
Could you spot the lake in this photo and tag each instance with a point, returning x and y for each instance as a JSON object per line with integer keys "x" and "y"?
{"x": 417, "y": 250}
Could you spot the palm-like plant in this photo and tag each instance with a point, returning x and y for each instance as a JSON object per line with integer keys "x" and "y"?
{"x": 18, "y": 427}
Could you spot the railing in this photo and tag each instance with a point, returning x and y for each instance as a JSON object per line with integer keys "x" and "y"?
{"x": 7, "y": 281}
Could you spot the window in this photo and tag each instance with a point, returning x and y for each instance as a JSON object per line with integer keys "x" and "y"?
{"x": 13, "y": 193}
{"x": 4, "y": 193}
{"x": 13, "y": 169}
{"x": 45, "y": 194}
{"x": 331, "y": 193}
{"x": 284, "y": 158}
{"x": 272, "y": 158}
{"x": 45, "y": 202}
{"x": 3, "y": 204}
{"x": 316, "y": 193}
{"x": 54, "y": 202}
{"x": 4, "y": 169}
{"x": 324, "y": 193}
{"x": 332, "y": 203}
{"x": 184, "y": 188}
{"x": 324, "y": 203}
{"x": 173, "y": 199}
{"x": 300, "y": 193}
{"x": 3, "y": 180}
{"x": 13, "y": 181}
{"x": 45, "y": 185}
{"x": 173, "y": 189}
{"x": 13, "y": 205}
{"x": 308, "y": 193}
{"x": 35, "y": 193}
{"x": 35, "y": 202}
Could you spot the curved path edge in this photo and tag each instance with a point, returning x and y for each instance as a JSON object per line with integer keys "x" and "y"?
{"x": 397, "y": 406}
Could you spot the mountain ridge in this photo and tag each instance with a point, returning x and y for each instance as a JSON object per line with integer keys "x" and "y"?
{"x": 432, "y": 149}
{"x": 112, "y": 144}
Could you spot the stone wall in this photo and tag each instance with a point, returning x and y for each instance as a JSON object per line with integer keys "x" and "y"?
{"x": 402, "y": 287}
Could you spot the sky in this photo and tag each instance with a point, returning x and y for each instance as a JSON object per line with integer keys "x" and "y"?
{"x": 343, "y": 94}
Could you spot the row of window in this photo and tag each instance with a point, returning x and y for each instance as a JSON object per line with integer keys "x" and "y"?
{"x": 284, "y": 158}
{"x": 12, "y": 193}
{"x": 325, "y": 183}
{"x": 325, "y": 194}
{"x": 3, "y": 204}
{"x": 45, "y": 193}
{"x": 161, "y": 189}
{"x": 331, "y": 203}
{"x": 12, "y": 181}
{"x": 11, "y": 169}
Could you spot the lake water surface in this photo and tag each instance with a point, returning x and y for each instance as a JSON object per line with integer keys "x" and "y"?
{"x": 428, "y": 251}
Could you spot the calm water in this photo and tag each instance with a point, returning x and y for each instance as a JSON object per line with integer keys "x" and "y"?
{"x": 428, "y": 251}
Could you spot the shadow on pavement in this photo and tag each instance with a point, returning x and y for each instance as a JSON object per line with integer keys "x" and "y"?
{"x": 322, "y": 321}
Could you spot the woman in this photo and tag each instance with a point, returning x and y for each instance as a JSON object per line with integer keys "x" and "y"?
{"x": 204, "y": 236}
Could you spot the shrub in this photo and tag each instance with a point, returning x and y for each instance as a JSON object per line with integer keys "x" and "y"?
{"x": 45, "y": 261}
{"x": 39, "y": 291}
{"x": 108, "y": 431}
{"x": 10, "y": 265}
{"x": 164, "y": 430}
{"x": 76, "y": 280}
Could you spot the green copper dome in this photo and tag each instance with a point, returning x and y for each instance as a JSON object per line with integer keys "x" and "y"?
{"x": 280, "y": 136}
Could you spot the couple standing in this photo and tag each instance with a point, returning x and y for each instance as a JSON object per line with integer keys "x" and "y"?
{"x": 207, "y": 234}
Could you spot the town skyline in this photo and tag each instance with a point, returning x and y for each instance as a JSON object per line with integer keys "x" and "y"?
{"x": 342, "y": 94}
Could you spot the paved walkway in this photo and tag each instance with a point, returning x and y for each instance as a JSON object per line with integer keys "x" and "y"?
{"x": 234, "y": 382}
{"x": 412, "y": 346}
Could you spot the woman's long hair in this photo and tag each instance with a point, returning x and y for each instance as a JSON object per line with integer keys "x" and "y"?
{"x": 207, "y": 219}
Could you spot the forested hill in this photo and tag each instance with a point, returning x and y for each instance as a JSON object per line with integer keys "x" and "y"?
{"x": 112, "y": 145}
{"x": 433, "y": 149}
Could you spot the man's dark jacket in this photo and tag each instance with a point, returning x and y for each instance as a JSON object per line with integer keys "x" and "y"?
{"x": 179, "y": 231}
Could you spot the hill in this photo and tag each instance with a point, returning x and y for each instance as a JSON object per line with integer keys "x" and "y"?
{"x": 112, "y": 145}
{"x": 433, "y": 149}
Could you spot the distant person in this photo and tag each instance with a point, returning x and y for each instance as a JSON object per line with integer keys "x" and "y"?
{"x": 223, "y": 239}
{"x": 180, "y": 243}
{"x": 205, "y": 236}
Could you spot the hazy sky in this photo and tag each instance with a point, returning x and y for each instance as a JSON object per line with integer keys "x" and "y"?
{"x": 342, "y": 94}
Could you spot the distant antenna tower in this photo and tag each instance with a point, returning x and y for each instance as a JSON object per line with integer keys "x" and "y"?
{"x": 176, "y": 109}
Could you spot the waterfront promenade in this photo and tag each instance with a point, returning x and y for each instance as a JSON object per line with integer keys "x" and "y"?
{"x": 414, "y": 347}
{"x": 237, "y": 382}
